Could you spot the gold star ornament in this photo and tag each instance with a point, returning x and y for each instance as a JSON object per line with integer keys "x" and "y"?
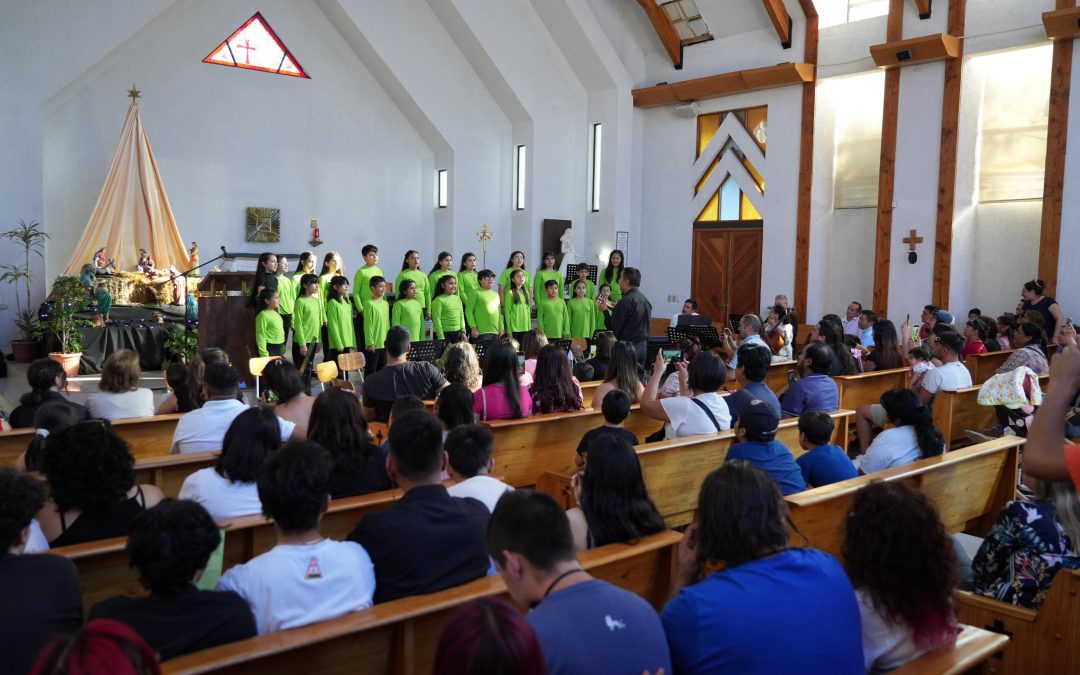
{"x": 134, "y": 93}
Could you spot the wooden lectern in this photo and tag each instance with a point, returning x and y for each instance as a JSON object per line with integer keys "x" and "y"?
{"x": 227, "y": 317}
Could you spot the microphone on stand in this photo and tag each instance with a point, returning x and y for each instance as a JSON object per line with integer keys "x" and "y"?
{"x": 223, "y": 251}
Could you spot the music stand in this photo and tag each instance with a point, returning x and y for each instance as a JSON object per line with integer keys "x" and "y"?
{"x": 694, "y": 320}
{"x": 426, "y": 350}
{"x": 598, "y": 332}
{"x": 733, "y": 321}
{"x": 561, "y": 343}
{"x": 570, "y": 276}
{"x": 706, "y": 334}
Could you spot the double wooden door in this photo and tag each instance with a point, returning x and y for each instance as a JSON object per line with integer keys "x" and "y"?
{"x": 725, "y": 274}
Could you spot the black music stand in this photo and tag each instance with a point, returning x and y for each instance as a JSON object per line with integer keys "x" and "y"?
{"x": 570, "y": 276}
{"x": 706, "y": 334}
{"x": 733, "y": 321}
{"x": 561, "y": 343}
{"x": 597, "y": 333}
{"x": 426, "y": 350}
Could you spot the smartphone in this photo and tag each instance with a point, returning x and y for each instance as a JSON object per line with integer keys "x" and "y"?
{"x": 791, "y": 377}
{"x": 915, "y": 331}
{"x": 672, "y": 355}
{"x": 521, "y": 361}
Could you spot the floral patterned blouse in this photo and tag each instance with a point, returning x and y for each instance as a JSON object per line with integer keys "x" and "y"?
{"x": 1026, "y": 356}
{"x": 1024, "y": 551}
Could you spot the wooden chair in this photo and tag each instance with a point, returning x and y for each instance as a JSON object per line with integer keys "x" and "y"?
{"x": 327, "y": 372}
{"x": 969, "y": 654}
{"x": 352, "y": 362}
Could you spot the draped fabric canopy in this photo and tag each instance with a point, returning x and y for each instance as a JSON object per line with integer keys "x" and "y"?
{"x": 133, "y": 210}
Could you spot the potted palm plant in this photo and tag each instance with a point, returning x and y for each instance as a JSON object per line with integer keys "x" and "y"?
{"x": 68, "y": 297}
{"x": 31, "y": 238}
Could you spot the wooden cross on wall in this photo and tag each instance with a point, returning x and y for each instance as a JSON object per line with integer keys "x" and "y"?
{"x": 912, "y": 240}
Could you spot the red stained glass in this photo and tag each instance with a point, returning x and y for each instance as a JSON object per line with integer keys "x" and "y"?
{"x": 255, "y": 46}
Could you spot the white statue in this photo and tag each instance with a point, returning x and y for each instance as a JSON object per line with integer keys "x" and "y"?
{"x": 569, "y": 253}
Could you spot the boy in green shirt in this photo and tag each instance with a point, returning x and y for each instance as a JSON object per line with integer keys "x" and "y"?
{"x": 551, "y": 314}
{"x": 376, "y": 325}
{"x": 408, "y": 311}
{"x": 361, "y": 283}
{"x": 307, "y": 323}
{"x": 485, "y": 316}
{"x": 583, "y": 275}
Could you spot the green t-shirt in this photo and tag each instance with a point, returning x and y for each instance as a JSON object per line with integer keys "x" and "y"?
{"x": 518, "y": 314}
{"x": 541, "y": 277}
{"x": 361, "y": 287}
{"x": 616, "y": 292}
{"x": 307, "y": 319}
{"x": 407, "y": 313}
{"x": 376, "y": 322}
{"x": 484, "y": 314}
{"x": 467, "y": 285}
{"x": 447, "y": 314}
{"x": 286, "y": 290}
{"x": 433, "y": 283}
{"x": 582, "y": 313}
{"x": 552, "y": 318}
{"x": 504, "y": 281}
{"x": 590, "y": 289}
{"x": 339, "y": 325}
{"x": 268, "y": 330}
{"x": 421, "y": 284}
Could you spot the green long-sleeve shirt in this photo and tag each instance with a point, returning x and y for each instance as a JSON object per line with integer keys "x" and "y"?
{"x": 467, "y": 286}
{"x": 361, "y": 287}
{"x": 307, "y": 319}
{"x": 376, "y": 322}
{"x": 339, "y": 325}
{"x": 408, "y": 313}
{"x": 582, "y": 313}
{"x": 616, "y": 292}
{"x": 484, "y": 314}
{"x": 433, "y": 283}
{"x": 286, "y": 290}
{"x": 421, "y": 284}
{"x": 590, "y": 289}
{"x": 268, "y": 330}
{"x": 552, "y": 318}
{"x": 541, "y": 277}
{"x": 504, "y": 281}
{"x": 518, "y": 314}
{"x": 447, "y": 314}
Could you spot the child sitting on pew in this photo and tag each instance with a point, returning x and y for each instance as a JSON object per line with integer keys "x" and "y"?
{"x": 469, "y": 448}
{"x": 616, "y": 408}
{"x": 757, "y": 444}
{"x": 823, "y": 463}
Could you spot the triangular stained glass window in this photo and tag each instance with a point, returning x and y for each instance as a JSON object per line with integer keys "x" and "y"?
{"x": 255, "y": 46}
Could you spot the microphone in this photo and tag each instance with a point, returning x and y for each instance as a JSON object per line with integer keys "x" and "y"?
{"x": 223, "y": 251}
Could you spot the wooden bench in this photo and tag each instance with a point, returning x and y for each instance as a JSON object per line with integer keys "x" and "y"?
{"x": 1046, "y": 641}
{"x": 147, "y": 437}
{"x": 867, "y": 388}
{"x": 983, "y": 366}
{"x": 776, "y": 379}
{"x": 401, "y": 636}
{"x": 957, "y": 411}
{"x": 969, "y": 487}
{"x": 973, "y": 647}
{"x": 588, "y": 390}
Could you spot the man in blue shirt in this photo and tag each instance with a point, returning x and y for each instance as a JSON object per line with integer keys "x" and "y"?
{"x": 754, "y": 361}
{"x": 750, "y": 330}
{"x": 813, "y": 391}
{"x": 866, "y": 328}
{"x": 584, "y": 625}
{"x": 756, "y": 432}
{"x": 823, "y": 462}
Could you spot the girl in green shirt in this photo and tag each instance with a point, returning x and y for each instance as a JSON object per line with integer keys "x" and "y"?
{"x": 341, "y": 336}
{"x": 447, "y": 312}
{"x": 582, "y": 312}
{"x": 604, "y": 306}
{"x": 410, "y": 269}
{"x": 332, "y": 266}
{"x": 442, "y": 268}
{"x": 516, "y": 262}
{"x": 551, "y": 314}
{"x": 610, "y": 275}
{"x": 376, "y": 326}
{"x": 485, "y": 318}
{"x": 516, "y": 307}
{"x": 305, "y": 264}
{"x": 583, "y": 275}
{"x": 468, "y": 282}
{"x": 308, "y": 318}
{"x": 545, "y": 272}
{"x": 408, "y": 311}
{"x": 269, "y": 333}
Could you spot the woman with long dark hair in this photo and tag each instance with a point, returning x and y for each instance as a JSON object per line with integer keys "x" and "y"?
{"x": 622, "y": 373}
{"x": 614, "y": 505}
{"x": 554, "y": 387}
{"x": 604, "y": 342}
{"x": 886, "y": 354}
{"x": 1032, "y": 299}
{"x": 454, "y": 406}
{"x": 265, "y": 274}
{"x": 502, "y": 396}
{"x": 616, "y": 263}
{"x": 46, "y": 379}
{"x": 900, "y": 560}
{"x": 832, "y": 334}
{"x": 293, "y": 402}
{"x": 338, "y": 424}
{"x": 913, "y": 436}
{"x": 1029, "y": 345}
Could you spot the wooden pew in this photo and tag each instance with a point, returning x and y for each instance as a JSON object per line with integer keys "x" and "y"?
{"x": 973, "y": 647}
{"x": 867, "y": 388}
{"x": 169, "y": 472}
{"x": 776, "y": 379}
{"x": 588, "y": 390}
{"x": 147, "y": 436}
{"x": 955, "y": 412}
{"x": 401, "y": 636}
{"x": 969, "y": 487}
{"x": 983, "y": 366}
{"x": 1045, "y": 641}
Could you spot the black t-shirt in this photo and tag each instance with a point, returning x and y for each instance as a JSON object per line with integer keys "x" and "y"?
{"x": 412, "y": 378}
{"x": 39, "y": 600}
{"x": 371, "y": 478}
{"x": 180, "y": 624}
{"x": 22, "y": 417}
{"x": 592, "y": 435}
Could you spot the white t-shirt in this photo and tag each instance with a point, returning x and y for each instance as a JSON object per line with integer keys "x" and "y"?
{"x": 892, "y": 447}
{"x": 108, "y": 405}
{"x": 291, "y": 586}
{"x": 686, "y": 418}
{"x": 948, "y": 376}
{"x": 203, "y": 429}
{"x": 886, "y": 646}
{"x": 484, "y": 488}
{"x": 221, "y": 497}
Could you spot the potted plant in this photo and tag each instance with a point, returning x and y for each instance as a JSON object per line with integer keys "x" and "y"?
{"x": 68, "y": 297}
{"x": 181, "y": 343}
{"x": 31, "y": 238}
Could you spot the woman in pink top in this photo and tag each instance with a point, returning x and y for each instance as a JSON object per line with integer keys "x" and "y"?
{"x": 502, "y": 396}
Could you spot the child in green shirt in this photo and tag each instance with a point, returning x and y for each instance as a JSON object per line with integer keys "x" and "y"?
{"x": 551, "y": 314}
{"x": 604, "y": 305}
{"x": 362, "y": 279}
{"x": 545, "y": 273}
{"x": 441, "y": 269}
{"x": 308, "y": 318}
{"x": 447, "y": 313}
{"x": 341, "y": 337}
{"x": 516, "y": 307}
{"x": 485, "y": 317}
{"x": 468, "y": 282}
{"x": 610, "y": 276}
{"x": 408, "y": 311}
{"x": 583, "y": 275}
{"x": 410, "y": 269}
{"x": 269, "y": 334}
{"x": 582, "y": 312}
{"x": 376, "y": 325}
{"x": 515, "y": 263}
{"x": 286, "y": 294}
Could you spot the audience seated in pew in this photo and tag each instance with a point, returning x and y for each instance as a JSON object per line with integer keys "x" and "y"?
{"x": 912, "y": 436}
{"x": 197, "y": 370}
{"x": 746, "y": 602}
{"x": 757, "y": 444}
{"x": 454, "y": 407}
{"x": 613, "y": 503}
{"x": 119, "y": 395}
{"x": 399, "y": 377}
{"x": 502, "y": 395}
{"x": 751, "y": 331}
{"x": 41, "y": 597}
{"x": 823, "y": 463}
{"x": 468, "y": 450}
{"x": 102, "y": 646}
{"x": 50, "y": 418}
{"x": 669, "y": 379}
{"x": 228, "y": 489}
{"x": 584, "y": 625}
{"x": 554, "y": 387}
{"x": 91, "y": 477}
{"x": 178, "y": 400}
{"x": 623, "y": 373}
{"x": 886, "y": 354}
{"x": 46, "y": 379}
{"x": 699, "y": 409}
{"x": 488, "y": 635}
{"x": 814, "y": 389}
{"x": 754, "y": 362}
{"x": 900, "y": 561}
{"x": 428, "y": 540}
{"x": 830, "y": 332}
{"x": 604, "y": 342}
{"x": 293, "y": 402}
{"x": 460, "y": 365}
{"x": 615, "y": 408}
{"x": 338, "y": 424}
{"x": 170, "y": 546}
{"x": 532, "y": 341}
{"x": 1029, "y": 344}
{"x": 306, "y": 577}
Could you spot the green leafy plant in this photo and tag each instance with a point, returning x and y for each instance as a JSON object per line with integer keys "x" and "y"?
{"x": 182, "y": 343}
{"x": 31, "y": 238}
{"x": 68, "y": 297}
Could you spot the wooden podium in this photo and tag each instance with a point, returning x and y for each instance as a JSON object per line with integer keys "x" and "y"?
{"x": 227, "y": 317}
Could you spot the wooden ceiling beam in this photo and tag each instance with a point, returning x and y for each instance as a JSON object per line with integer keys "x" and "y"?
{"x": 781, "y": 20}
{"x": 935, "y": 47}
{"x": 1062, "y": 24}
{"x": 924, "y": 7}
{"x": 753, "y": 79}
{"x": 669, "y": 37}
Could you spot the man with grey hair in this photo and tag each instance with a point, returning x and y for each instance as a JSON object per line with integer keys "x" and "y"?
{"x": 750, "y": 330}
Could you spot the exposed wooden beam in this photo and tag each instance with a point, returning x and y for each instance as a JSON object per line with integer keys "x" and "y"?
{"x": 1057, "y": 136}
{"x": 753, "y": 79}
{"x": 1062, "y": 24}
{"x": 950, "y": 123}
{"x": 890, "y": 115}
{"x": 781, "y": 20}
{"x": 924, "y": 7}
{"x": 806, "y": 165}
{"x": 924, "y": 49}
{"x": 669, "y": 37}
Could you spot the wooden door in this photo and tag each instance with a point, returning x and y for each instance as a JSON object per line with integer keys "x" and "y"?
{"x": 725, "y": 275}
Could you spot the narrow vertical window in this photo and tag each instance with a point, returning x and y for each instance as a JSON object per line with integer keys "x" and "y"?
{"x": 519, "y": 178}
{"x": 440, "y": 188}
{"x": 594, "y": 201}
